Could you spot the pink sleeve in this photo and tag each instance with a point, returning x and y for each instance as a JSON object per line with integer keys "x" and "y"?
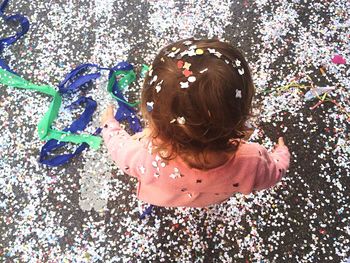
{"x": 127, "y": 153}
{"x": 272, "y": 167}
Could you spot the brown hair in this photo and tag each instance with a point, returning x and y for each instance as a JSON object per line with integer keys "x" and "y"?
{"x": 207, "y": 116}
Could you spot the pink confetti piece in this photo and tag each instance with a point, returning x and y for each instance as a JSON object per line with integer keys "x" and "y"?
{"x": 338, "y": 59}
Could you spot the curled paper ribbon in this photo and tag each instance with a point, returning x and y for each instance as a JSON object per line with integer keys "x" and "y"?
{"x": 128, "y": 77}
{"x": 75, "y": 80}
{"x": 125, "y": 110}
{"x": 44, "y": 127}
{"x": 7, "y": 41}
{"x": 320, "y": 93}
{"x": 78, "y": 125}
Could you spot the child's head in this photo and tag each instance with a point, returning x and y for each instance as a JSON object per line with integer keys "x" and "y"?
{"x": 197, "y": 97}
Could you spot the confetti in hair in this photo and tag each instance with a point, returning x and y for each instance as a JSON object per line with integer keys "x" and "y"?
{"x": 181, "y": 120}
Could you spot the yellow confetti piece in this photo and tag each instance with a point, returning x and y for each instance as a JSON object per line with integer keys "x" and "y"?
{"x": 87, "y": 256}
{"x": 187, "y": 66}
{"x": 199, "y": 51}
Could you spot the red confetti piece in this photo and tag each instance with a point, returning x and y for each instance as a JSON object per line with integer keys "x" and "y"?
{"x": 180, "y": 64}
{"x": 187, "y": 73}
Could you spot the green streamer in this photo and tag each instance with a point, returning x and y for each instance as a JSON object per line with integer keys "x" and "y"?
{"x": 44, "y": 127}
{"x": 128, "y": 77}
{"x": 144, "y": 70}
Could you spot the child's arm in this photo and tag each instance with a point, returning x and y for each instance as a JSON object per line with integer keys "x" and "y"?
{"x": 127, "y": 153}
{"x": 140, "y": 135}
{"x": 272, "y": 166}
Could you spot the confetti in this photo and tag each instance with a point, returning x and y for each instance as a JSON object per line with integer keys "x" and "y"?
{"x": 180, "y": 64}
{"x": 187, "y": 65}
{"x": 149, "y": 106}
{"x": 181, "y": 120}
{"x": 154, "y": 79}
{"x": 187, "y": 73}
{"x": 338, "y": 59}
{"x": 199, "y": 51}
{"x": 237, "y": 62}
{"x": 158, "y": 88}
{"x": 238, "y": 93}
{"x": 184, "y": 85}
{"x": 192, "y": 79}
{"x": 88, "y": 211}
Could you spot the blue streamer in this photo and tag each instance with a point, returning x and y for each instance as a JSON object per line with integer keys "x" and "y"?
{"x": 72, "y": 82}
{"x": 75, "y": 80}
{"x": 4, "y": 66}
{"x": 6, "y": 42}
{"x": 125, "y": 112}
{"x": 78, "y": 125}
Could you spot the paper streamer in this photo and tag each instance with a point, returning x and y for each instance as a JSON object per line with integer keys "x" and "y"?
{"x": 75, "y": 80}
{"x": 44, "y": 127}
{"x": 7, "y": 41}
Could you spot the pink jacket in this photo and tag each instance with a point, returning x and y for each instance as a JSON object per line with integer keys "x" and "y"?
{"x": 174, "y": 184}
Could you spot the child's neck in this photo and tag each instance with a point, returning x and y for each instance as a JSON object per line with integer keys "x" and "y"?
{"x": 212, "y": 160}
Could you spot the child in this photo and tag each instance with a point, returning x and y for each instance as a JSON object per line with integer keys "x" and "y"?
{"x": 196, "y": 99}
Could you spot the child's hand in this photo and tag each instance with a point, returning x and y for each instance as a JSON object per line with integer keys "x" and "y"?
{"x": 145, "y": 133}
{"x": 281, "y": 141}
{"x": 107, "y": 115}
